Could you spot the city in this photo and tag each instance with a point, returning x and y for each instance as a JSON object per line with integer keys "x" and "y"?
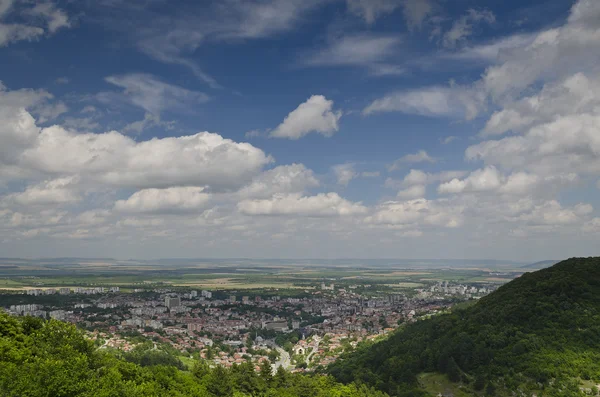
{"x": 305, "y": 330}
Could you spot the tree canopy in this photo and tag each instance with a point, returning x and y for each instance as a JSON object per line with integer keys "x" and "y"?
{"x": 539, "y": 334}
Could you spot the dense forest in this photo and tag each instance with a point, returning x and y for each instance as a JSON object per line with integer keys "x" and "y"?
{"x": 51, "y": 358}
{"x": 537, "y": 335}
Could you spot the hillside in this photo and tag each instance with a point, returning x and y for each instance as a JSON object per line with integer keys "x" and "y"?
{"x": 53, "y": 359}
{"x": 539, "y": 334}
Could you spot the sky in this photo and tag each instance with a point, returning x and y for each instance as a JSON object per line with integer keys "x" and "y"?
{"x": 300, "y": 128}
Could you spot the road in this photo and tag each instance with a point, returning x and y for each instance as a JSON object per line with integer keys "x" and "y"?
{"x": 314, "y": 350}
{"x": 284, "y": 360}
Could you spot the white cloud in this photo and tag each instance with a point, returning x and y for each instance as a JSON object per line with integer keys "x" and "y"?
{"x": 314, "y": 115}
{"x": 55, "y": 17}
{"x": 556, "y": 52}
{"x": 344, "y": 173}
{"x": 419, "y": 157}
{"x": 251, "y": 19}
{"x": 370, "y": 10}
{"x": 383, "y": 69}
{"x": 169, "y": 47}
{"x": 412, "y": 192}
{"x": 174, "y": 38}
{"x": 149, "y": 120}
{"x": 486, "y": 179}
{"x": 294, "y": 178}
{"x": 575, "y": 94}
{"x": 48, "y": 19}
{"x": 416, "y": 11}
{"x": 53, "y": 192}
{"x": 49, "y": 112}
{"x": 93, "y": 217}
{"x": 418, "y": 177}
{"x": 449, "y": 139}
{"x": 153, "y": 95}
{"x": 170, "y": 200}
{"x": 321, "y": 205}
{"x": 451, "y": 101}
{"x": 17, "y": 127}
{"x": 114, "y": 159}
{"x": 370, "y": 174}
{"x": 89, "y": 109}
{"x": 81, "y": 123}
{"x": 571, "y": 142}
{"x": 462, "y": 28}
{"x": 552, "y": 213}
{"x": 490, "y": 52}
{"x": 352, "y": 50}
{"x": 417, "y": 212}
{"x": 491, "y": 180}
{"x": 592, "y": 226}
{"x": 111, "y": 158}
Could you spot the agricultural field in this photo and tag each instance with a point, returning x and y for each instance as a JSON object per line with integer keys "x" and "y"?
{"x": 18, "y": 274}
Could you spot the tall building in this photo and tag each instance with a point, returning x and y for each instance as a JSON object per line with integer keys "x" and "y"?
{"x": 171, "y": 301}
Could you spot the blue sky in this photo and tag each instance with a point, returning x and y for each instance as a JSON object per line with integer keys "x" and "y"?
{"x": 316, "y": 128}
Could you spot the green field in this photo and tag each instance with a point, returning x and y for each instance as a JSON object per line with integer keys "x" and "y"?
{"x": 232, "y": 275}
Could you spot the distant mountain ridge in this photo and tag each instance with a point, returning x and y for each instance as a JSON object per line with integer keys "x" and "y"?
{"x": 538, "y": 334}
{"x": 541, "y": 264}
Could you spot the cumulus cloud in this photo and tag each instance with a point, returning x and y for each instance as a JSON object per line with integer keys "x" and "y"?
{"x": 344, "y": 173}
{"x": 519, "y": 183}
{"x": 114, "y": 159}
{"x": 592, "y": 226}
{"x": 321, "y": 205}
{"x": 418, "y": 177}
{"x": 554, "y": 52}
{"x": 173, "y": 199}
{"x": 111, "y": 158}
{"x": 17, "y": 127}
{"x": 293, "y": 178}
{"x": 486, "y": 179}
{"x": 552, "y": 213}
{"x": 419, "y": 157}
{"x": 417, "y": 212}
{"x": 575, "y": 94}
{"x": 570, "y": 142}
{"x": 412, "y": 192}
{"x": 53, "y": 192}
{"x": 314, "y": 115}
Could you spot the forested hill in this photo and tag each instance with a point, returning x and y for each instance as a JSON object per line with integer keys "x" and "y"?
{"x": 539, "y": 334}
{"x": 53, "y": 359}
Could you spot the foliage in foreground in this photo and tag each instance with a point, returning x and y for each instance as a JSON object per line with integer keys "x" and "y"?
{"x": 50, "y": 358}
{"x": 539, "y": 334}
